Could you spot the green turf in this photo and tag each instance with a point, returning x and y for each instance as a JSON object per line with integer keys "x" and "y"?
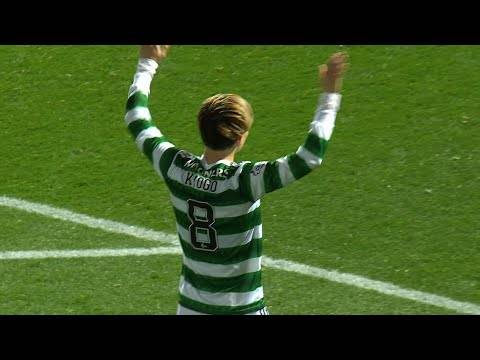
{"x": 395, "y": 199}
{"x": 303, "y": 295}
{"x": 146, "y": 285}
{"x": 22, "y": 231}
{"x": 127, "y": 285}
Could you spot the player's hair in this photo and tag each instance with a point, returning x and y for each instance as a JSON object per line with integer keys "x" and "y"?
{"x": 223, "y": 119}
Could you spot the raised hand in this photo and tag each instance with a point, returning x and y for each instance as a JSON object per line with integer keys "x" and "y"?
{"x": 154, "y": 52}
{"x": 331, "y": 74}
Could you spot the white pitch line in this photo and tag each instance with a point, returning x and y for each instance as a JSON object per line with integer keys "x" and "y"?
{"x": 56, "y": 254}
{"x": 280, "y": 264}
{"x": 92, "y": 222}
{"x": 375, "y": 285}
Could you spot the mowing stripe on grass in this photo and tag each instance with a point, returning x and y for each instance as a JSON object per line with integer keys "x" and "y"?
{"x": 55, "y": 254}
{"x": 280, "y": 264}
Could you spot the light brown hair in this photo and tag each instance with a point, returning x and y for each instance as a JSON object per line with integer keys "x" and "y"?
{"x": 223, "y": 119}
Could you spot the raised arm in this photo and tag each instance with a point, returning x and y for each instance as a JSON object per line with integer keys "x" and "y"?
{"x": 147, "y": 136}
{"x": 267, "y": 176}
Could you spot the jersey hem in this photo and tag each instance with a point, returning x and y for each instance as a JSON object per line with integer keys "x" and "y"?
{"x": 207, "y": 309}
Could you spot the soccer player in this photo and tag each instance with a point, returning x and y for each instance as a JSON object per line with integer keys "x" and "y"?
{"x": 216, "y": 200}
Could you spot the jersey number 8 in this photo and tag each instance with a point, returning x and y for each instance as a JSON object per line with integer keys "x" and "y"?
{"x": 201, "y": 216}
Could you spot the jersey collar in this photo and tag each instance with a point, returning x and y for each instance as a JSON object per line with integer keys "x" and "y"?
{"x": 208, "y": 166}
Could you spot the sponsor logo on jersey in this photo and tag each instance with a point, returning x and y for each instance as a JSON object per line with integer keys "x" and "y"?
{"x": 195, "y": 167}
{"x": 257, "y": 170}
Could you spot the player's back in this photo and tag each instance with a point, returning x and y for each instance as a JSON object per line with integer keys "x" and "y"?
{"x": 220, "y": 232}
{"x": 217, "y": 206}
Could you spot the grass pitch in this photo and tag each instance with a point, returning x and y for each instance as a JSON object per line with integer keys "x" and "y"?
{"x": 395, "y": 199}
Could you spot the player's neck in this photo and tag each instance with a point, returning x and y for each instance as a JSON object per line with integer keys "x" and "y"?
{"x": 212, "y": 156}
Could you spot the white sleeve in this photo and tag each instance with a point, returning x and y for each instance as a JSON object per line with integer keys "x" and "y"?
{"x": 146, "y": 70}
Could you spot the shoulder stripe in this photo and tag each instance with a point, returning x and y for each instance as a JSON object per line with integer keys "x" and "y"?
{"x": 272, "y": 176}
{"x": 236, "y": 176}
{"x": 166, "y": 160}
{"x": 244, "y": 183}
{"x": 150, "y": 144}
{"x": 257, "y": 179}
{"x": 157, "y": 154}
{"x": 149, "y": 133}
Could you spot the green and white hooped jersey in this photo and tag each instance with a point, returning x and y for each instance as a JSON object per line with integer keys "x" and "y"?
{"x": 217, "y": 206}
